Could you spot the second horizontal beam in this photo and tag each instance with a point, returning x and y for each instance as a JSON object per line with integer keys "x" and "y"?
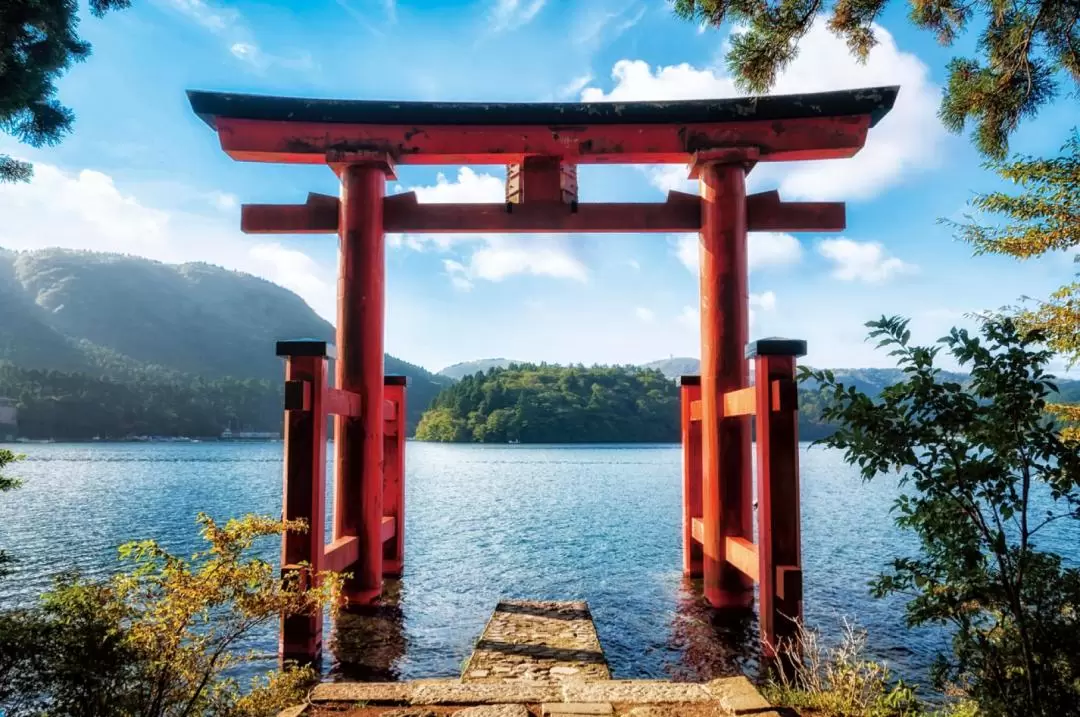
{"x": 402, "y": 214}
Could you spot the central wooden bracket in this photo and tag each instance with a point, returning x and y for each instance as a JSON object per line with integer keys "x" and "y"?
{"x": 543, "y": 179}
{"x": 338, "y": 160}
{"x": 746, "y": 156}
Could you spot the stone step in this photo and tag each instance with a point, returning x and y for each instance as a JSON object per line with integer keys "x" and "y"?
{"x": 535, "y": 641}
{"x": 733, "y": 695}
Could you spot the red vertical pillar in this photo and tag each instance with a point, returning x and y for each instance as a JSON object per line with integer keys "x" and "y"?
{"x": 303, "y": 485}
{"x": 779, "y": 536}
{"x": 727, "y": 501}
{"x": 690, "y": 391}
{"x": 358, "y": 443}
{"x": 394, "y": 476}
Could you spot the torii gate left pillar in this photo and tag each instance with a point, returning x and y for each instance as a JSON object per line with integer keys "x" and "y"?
{"x": 358, "y": 440}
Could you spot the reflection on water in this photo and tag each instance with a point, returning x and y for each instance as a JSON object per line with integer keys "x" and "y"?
{"x": 712, "y": 643}
{"x": 367, "y": 643}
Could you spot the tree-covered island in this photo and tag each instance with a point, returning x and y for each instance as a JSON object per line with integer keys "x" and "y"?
{"x": 543, "y": 403}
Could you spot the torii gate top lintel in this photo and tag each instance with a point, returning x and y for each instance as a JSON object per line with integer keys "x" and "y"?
{"x": 822, "y": 125}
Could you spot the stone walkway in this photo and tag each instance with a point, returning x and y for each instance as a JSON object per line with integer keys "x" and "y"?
{"x": 538, "y": 641}
{"x": 536, "y": 659}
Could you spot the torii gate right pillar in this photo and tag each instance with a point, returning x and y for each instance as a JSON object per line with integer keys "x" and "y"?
{"x": 727, "y": 500}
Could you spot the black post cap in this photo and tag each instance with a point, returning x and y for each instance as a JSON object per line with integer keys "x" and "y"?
{"x": 306, "y": 347}
{"x": 689, "y": 380}
{"x": 395, "y": 380}
{"x": 776, "y": 347}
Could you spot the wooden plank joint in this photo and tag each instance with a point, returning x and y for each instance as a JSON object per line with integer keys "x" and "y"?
{"x": 698, "y": 530}
{"x": 695, "y": 410}
{"x": 789, "y": 582}
{"x": 342, "y": 403}
{"x": 297, "y": 396}
{"x": 739, "y": 403}
{"x": 742, "y": 554}
{"x": 340, "y": 554}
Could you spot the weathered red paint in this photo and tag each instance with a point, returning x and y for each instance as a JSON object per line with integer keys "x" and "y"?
{"x": 766, "y": 213}
{"x": 726, "y": 470}
{"x": 309, "y": 142}
{"x": 690, "y": 394}
{"x": 343, "y": 403}
{"x": 340, "y": 554}
{"x": 358, "y": 443}
{"x": 303, "y": 499}
{"x": 394, "y": 475}
{"x": 779, "y": 539}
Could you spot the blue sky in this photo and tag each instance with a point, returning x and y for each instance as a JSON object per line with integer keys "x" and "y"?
{"x": 142, "y": 175}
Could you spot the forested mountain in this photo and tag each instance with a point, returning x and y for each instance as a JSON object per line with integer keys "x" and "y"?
{"x": 155, "y": 327}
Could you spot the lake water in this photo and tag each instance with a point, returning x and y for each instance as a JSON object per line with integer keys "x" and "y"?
{"x": 600, "y": 523}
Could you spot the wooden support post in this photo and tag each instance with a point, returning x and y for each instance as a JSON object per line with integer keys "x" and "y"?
{"x": 727, "y": 501}
{"x": 690, "y": 391}
{"x": 358, "y": 444}
{"x": 394, "y": 476}
{"x": 303, "y": 486}
{"x": 779, "y": 542}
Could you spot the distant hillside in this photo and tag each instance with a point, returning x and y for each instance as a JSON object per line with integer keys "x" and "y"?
{"x": 124, "y": 317}
{"x": 675, "y": 366}
{"x": 867, "y": 380}
{"x": 467, "y": 368}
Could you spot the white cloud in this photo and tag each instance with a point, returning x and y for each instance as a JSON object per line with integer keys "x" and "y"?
{"x": 646, "y": 315}
{"x": 670, "y": 177}
{"x": 469, "y": 188}
{"x": 574, "y": 86}
{"x": 690, "y": 317}
{"x": 861, "y": 261}
{"x": 238, "y": 37}
{"x": 765, "y": 249}
{"x": 773, "y": 249}
{"x": 635, "y": 80}
{"x": 493, "y": 257}
{"x": 212, "y": 18}
{"x": 539, "y": 255}
{"x": 766, "y": 301}
{"x": 909, "y": 138}
{"x": 292, "y": 269}
{"x": 86, "y": 210}
{"x": 512, "y": 14}
{"x": 245, "y": 51}
{"x": 599, "y": 26}
{"x": 459, "y": 274}
{"x": 224, "y": 201}
{"x": 633, "y": 264}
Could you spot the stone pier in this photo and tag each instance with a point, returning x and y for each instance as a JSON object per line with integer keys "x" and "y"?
{"x": 536, "y": 641}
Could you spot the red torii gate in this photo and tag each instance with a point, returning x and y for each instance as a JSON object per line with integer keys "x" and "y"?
{"x": 541, "y": 144}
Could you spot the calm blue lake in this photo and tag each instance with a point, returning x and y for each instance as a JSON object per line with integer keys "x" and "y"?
{"x": 600, "y": 523}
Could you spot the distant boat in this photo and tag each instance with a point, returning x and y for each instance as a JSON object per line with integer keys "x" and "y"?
{"x": 514, "y": 442}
